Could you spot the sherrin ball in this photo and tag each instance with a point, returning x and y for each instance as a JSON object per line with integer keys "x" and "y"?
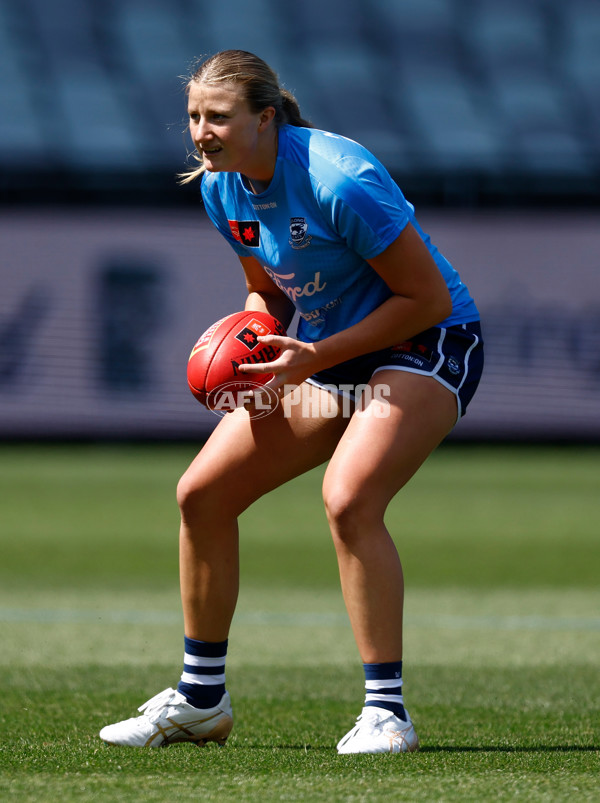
{"x": 213, "y": 366}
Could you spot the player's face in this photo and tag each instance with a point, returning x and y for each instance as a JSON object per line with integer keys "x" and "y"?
{"x": 223, "y": 129}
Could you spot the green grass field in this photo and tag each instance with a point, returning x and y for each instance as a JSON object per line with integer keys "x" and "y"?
{"x": 502, "y": 558}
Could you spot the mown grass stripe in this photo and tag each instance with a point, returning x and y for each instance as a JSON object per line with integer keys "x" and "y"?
{"x": 453, "y": 621}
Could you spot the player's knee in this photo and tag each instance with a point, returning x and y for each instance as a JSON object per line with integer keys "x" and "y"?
{"x": 185, "y": 494}
{"x": 348, "y": 511}
{"x": 192, "y": 496}
{"x": 204, "y": 498}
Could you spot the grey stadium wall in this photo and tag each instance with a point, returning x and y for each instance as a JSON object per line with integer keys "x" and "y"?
{"x": 100, "y": 308}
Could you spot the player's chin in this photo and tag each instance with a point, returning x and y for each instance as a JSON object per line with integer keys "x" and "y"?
{"x": 212, "y": 163}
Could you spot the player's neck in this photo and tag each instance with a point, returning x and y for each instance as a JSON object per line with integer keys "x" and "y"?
{"x": 256, "y": 185}
{"x": 258, "y": 180}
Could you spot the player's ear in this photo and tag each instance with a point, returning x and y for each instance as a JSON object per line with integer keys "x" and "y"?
{"x": 266, "y": 118}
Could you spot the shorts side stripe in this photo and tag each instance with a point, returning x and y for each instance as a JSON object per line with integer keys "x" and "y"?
{"x": 440, "y": 347}
{"x": 467, "y": 355}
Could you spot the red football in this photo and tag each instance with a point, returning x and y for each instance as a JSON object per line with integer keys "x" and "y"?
{"x": 212, "y": 369}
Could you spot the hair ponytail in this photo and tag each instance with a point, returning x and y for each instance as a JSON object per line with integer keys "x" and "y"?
{"x": 291, "y": 110}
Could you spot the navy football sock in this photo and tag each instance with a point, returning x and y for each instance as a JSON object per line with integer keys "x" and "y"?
{"x": 383, "y": 687}
{"x": 203, "y": 679}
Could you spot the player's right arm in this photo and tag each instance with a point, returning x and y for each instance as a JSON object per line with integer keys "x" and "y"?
{"x": 263, "y": 293}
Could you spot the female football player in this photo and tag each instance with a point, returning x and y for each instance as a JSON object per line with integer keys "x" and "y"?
{"x": 321, "y": 229}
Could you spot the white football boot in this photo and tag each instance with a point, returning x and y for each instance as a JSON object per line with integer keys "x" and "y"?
{"x": 168, "y": 718}
{"x": 379, "y": 731}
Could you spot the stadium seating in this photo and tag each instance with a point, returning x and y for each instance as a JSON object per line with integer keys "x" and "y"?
{"x": 476, "y": 88}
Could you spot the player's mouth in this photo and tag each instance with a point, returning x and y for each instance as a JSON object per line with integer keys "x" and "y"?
{"x": 211, "y": 151}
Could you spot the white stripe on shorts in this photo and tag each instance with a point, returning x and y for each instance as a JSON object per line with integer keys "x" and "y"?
{"x": 467, "y": 355}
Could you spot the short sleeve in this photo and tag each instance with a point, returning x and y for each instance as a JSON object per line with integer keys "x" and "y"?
{"x": 363, "y": 205}
{"x": 216, "y": 212}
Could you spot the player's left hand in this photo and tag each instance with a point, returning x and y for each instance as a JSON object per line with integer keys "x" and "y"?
{"x": 295, "y": 363}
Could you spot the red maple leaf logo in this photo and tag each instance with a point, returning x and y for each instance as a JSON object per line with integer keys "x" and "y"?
{"x": 249, "y": 338}
{"x": 248, "y": 233}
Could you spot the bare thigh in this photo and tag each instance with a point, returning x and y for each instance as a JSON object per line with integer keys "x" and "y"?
{"x": 384, "y": 446}
{"x": 246, "y": 457}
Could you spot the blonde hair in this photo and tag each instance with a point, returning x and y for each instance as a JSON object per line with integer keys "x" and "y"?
{"x": 261, "y": 89}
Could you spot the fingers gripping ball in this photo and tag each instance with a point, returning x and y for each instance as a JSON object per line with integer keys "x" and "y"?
{"x": 213, "y": 366}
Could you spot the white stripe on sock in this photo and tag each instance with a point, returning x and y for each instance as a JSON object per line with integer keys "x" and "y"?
{"x": 384, "y": 698}
{"x": 202, "y": 680}
{"x": 388, "y": 683}
{"x": 199, "y": 660}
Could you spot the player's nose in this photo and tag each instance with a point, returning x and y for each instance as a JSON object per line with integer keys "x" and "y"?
{"x": 202, "y": 131}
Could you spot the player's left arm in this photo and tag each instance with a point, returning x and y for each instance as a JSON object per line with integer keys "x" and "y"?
{"x": 420, "y": 300}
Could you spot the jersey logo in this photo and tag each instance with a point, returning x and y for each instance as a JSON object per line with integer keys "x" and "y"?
{"x": 416, "y": 349}
{"x": 246, "y": 232}
{"x": 298, "y": 236}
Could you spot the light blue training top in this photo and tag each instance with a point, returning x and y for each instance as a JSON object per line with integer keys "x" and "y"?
{"x": 330, "y": 206}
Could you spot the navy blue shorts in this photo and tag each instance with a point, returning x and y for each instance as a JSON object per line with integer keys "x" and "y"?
{"x": 453, "y": 356}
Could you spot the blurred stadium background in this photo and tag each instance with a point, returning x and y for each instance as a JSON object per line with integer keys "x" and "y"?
{"x": 487, "y": 112}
